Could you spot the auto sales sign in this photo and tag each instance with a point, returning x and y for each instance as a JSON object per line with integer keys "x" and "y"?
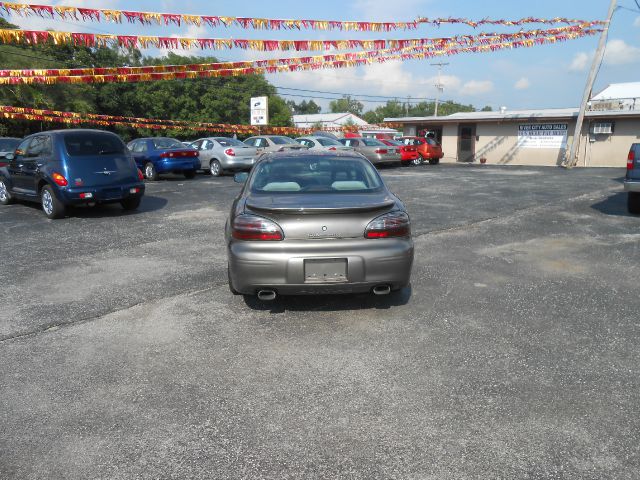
{"x": 542, "y": 135}
{"x": 260, "y": 111}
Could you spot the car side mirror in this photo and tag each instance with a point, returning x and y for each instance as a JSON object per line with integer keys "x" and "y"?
{"x": 10, "y": 156}
{"x": 240, "y": 177}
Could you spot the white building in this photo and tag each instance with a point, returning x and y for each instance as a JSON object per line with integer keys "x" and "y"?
{"x": 327, "y": 120}
{"x": 617, "y": 96}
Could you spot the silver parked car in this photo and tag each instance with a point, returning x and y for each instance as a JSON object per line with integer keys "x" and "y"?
{"x": 377, "y": 152}
{"x": 221, "y": 154}
{"x": 321, "y": 143}
{"x": 273, "y": 143}
{"x": 316, "y": 223}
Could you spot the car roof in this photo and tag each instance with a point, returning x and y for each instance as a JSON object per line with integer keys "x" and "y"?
{"x": 297, "y": 154}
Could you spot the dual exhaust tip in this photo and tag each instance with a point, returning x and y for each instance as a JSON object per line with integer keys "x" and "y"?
{"x": 270, "y": 295}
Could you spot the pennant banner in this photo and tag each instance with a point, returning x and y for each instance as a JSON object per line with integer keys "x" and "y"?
{"x": 36, "y": 37}
{"x": 152, "y": 18}
{"x": 74, "y": 118}
{"x": 293, "y": 65}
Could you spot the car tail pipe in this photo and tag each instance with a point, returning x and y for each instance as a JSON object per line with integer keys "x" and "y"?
{"x": 382, "y": 290}
{"x": 266, "y": 295}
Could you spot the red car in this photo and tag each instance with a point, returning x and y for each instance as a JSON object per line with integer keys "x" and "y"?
{"x": 428, "y": 148}
{"x": 408, "y": 153}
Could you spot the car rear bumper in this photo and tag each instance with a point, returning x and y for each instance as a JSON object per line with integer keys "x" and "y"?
{"x": 280, "y": 266}
{"x": 178, "y": 164}
{"x": 238, "y": 163}
{"x": 632, "y": 185}
{"x": 106, "y": 194}
{"x": 385, "y": 159}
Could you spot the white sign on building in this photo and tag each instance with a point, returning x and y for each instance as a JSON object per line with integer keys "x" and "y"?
{"x": 260, "y": 111}
{"x": 542, "y": 135}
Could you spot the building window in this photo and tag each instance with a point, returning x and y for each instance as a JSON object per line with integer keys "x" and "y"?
{"x": 602, "y": 128}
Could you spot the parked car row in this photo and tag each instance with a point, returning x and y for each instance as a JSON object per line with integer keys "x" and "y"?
{"x": 62, "y": 168}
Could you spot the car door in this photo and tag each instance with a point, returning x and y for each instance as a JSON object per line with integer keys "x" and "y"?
{"x": 140, "y": 152}
{"x": 15, "y": 168}
{"x": 206, "y": 152}
{"x": 37, "y": 156}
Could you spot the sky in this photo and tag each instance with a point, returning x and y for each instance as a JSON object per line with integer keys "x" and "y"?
{"x": 550, "y": 76}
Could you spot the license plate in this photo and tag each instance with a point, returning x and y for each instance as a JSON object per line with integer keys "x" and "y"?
{"x": 325, "y": 270}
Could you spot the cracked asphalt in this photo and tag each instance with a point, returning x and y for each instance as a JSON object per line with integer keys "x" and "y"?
{"x": 513, "y": 354}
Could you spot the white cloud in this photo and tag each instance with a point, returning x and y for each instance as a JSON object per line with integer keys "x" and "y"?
{"x": 580, "y": 62}
{"x": 477, "y": 87}
{"x": 621, "y": 53}
{"x": 522, "y": 84}
{"x": 636, "y": 22}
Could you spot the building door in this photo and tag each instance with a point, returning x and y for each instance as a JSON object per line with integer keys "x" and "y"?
{"x": 466, "y": 143}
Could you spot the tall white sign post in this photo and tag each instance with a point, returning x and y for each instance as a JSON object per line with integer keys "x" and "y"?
{"x": 259, "y": 111}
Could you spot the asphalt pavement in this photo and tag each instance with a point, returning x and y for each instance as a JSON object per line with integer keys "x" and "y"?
{"x": 514, "y": 354}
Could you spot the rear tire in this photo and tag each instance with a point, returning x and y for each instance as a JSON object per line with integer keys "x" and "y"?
{"x": 131, "y": 203}
{"x": 189, "y": 174}
{"x": 434, "y": 161}
{"x": 51, "y": 206}
{"x": 150, "y": 172}
{"x": 633, "y": 203}
{"x": 215, "y": 168}
{"x": 5, "y": 196}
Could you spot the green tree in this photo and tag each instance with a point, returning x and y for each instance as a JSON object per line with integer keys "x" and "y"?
{"x": 487, "y": 109}
{"x": 346, "y": 104}
{"x": 304, "y": 107}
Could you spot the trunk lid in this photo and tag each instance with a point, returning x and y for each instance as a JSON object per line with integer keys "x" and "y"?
{"x": 321, "y": 216}
{"x": 101, "y": 170}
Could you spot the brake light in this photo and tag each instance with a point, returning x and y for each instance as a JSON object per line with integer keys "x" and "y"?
{"x": 167, "y": 155}
{"x": 230, "y": 152}
{"x": 381, "y": 150}
{"x": 59, "y": 179}
{"x": 140, "y": 175}
{"x": 252, "y": 227}
{"x": 631, "y": 159}
{"x": 394, "y": 224}
{"x": 3, "y": 164}
{"x": 333, "y": 148}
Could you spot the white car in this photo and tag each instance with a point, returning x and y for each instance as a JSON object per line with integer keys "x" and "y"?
{"x": 321, "y": 143}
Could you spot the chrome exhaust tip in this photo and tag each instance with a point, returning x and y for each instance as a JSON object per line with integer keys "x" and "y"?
{"x": 382, "y": 290}
{"x": 266, "y": 295}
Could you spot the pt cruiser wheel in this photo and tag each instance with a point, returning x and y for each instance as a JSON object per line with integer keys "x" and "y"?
{"x": 51, "y": 206}
{"x": 150, "y": 172}
{"x": 5, "y": 196}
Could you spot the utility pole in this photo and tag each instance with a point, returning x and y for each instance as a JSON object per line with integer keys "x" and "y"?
{"x": 407, "y": 106}
{"x": 439, "y": 86}
{"x": 572, "y": 159}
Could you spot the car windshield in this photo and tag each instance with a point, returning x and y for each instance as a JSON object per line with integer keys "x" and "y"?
{"x": 282, "y": 140}
{"x": 315, "y": 174}
{"x": 372, "y": 142}
{"x": 92, "y": 143}
{"x": 167, "y": 143}
{"x": 8, "y": 144}
{"x": 432, "y": 142}
{"x": 229, "y": 142}
{"x": 328, "y": 142}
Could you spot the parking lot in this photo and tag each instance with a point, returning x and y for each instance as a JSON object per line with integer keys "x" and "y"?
{"x": 514, "y": 354}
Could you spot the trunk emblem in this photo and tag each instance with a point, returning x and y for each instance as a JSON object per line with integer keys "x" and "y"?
{"x": 107, "y": 172}
{"x": 324, "y": 228}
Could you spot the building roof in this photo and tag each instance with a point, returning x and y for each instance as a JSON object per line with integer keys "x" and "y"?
{"x": 543, "y": 114}
{"x": 619, "y": 91}
{"x": 328, "y": 118}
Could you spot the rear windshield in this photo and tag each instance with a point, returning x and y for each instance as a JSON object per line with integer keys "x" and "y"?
{"x": 167, "y": 143}
{"x": 372, "y": 142}
{"x": 92, "y": 143}
{"x": 230, "y": 142}
{"x": 8, "y": 144}
{"x": 395, "y": 142}
{"x": 282, "y": 140}
{"x": 315, "y": 174}
{"x": 328, "y": 142}
{"x": 432, "y": 142}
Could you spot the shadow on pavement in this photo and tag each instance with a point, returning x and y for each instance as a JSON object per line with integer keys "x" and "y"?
{"x": 615, "y": 204}
{"x": 330, "y": 303}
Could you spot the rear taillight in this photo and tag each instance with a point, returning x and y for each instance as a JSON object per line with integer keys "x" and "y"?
{"x": 333, "y": 148}
{"x": 167, "y": 155}
{"x": 631, "y": 159}
{"x": 381, "y": 150}
{"x": 140, "y": 175}
{"x": 230, "y": 152}
{"x": 3, "y": 164}
{"x": 394, "y": 224}
{"x": 190, "y": 153}
{"x": 252, "y": 227}
{"x": 59, "y": 179}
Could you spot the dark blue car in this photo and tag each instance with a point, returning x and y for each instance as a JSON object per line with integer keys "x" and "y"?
{"x": 158, "y": 155}
{"x": 71, "y": 167}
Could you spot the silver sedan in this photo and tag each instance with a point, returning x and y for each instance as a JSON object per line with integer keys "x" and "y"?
{"x": 221, "y": 154}
{"x": 273, "y": 143}
{"x": 316, "y": 223}
{"x": 377, "y": 152}
{"x": 321, "y": 143}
